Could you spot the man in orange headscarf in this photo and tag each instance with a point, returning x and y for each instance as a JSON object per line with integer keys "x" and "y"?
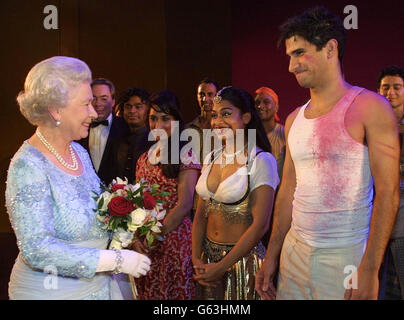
{"x": 267, "y": 104}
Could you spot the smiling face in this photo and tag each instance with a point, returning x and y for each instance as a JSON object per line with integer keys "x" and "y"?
{"x": 392, "y": 87}
{"x": 76, "y": 116}
{"x": 102, "y": 101}
{"x": 266, "y": 106}
{"x": 206, "y": 93}
{"x": 226, "y": 119}
{"x": 160, "y": 120}
{"x": 135, "y": 112}
{"x": 306, "y": 62}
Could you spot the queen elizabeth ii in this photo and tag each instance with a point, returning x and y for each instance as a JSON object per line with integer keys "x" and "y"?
{"x": 49, "y": 194}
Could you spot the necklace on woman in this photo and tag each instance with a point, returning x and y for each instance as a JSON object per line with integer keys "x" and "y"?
{"x": 232, "y": 155}
{"x": 73, "y": 167}
{"x": 228, "y": 158}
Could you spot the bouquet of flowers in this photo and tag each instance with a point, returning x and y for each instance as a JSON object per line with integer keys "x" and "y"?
{"x": 131, "y": 212}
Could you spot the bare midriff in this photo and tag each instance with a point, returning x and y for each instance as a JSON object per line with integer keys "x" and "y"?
{"x": 220, "y": 230}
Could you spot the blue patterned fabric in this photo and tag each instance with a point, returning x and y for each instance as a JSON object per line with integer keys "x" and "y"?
{"x": 51, "y": 213}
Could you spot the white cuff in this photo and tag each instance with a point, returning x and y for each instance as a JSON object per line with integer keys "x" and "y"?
{"x": 107, "y": 261}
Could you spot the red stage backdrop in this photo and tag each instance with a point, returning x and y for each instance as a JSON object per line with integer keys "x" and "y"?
{"x": 256, "y": 60}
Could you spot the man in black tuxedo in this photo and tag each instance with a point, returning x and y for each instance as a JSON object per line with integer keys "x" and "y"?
{"x": 104, "y": 131}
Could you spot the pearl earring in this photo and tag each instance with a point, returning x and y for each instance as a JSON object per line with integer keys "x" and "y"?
{"x": 57, "y": 123}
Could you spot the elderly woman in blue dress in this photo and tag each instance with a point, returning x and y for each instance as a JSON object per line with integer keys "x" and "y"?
{"x": 49, "y": 194}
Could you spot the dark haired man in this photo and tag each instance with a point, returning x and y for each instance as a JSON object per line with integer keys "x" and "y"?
{"x": 207, "y": 90}
{"x": 390, "y": 83}
{"x": 104, "y": 130}
{"x": 329, "y": 237}
{"x": 133, "y": 105}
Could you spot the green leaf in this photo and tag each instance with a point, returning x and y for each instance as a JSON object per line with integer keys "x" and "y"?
{"x": 114, "y": 223}
{"x": 137, "y": 191}
{"x": 150, "y": 238}
{"x": 105, "y": 188}
{"x": 101, "y": 203}
{"x": 143, "y": 231}
{"x": 164, "y": 194}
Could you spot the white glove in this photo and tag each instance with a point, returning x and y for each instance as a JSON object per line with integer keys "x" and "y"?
{"x": 133, "y": 263}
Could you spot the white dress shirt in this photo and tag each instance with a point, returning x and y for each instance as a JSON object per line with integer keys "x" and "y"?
{"x": 98, "y": 137}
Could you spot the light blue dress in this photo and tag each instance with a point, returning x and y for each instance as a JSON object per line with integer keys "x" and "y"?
{"x": 58, "y": 234}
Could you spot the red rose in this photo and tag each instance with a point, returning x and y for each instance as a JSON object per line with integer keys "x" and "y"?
{"x": 116, "y": 187}
{"x": 120, "y": 207}
{"x": 148, "y": 201}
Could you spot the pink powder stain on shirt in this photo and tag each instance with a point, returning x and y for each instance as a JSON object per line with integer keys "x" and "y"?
{"x": 331, "y": 145}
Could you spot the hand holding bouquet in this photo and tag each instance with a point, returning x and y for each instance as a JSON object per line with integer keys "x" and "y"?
{"x": 131, "y": 212}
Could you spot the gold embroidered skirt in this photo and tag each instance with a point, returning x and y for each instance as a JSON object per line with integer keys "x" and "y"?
{"x": 238, "y": 282}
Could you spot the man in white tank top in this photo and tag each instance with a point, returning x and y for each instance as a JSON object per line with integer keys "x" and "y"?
{"x": 328, "y": 236}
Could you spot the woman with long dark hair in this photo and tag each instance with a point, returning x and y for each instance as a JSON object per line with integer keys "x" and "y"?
{"x": 171, "y": 274}
{"x": 236, "y": 192}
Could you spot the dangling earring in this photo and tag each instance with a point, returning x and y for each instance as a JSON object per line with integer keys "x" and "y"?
{"x": 57, "y": 123}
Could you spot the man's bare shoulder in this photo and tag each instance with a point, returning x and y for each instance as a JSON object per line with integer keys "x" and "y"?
{"x": 371, "y": 101}
{"x": 291, "y": 117}
{"x": 372, "y": 109}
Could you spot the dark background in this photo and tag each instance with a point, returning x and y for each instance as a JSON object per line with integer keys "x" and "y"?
{"x": 256, "y": 60}
{"x": 173, "y": 44}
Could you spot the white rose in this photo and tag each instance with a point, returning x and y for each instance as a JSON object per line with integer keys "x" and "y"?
{"x": 132, "y": 227}
{"x": 138, "y": 216}
{"x": 115, "y": 244}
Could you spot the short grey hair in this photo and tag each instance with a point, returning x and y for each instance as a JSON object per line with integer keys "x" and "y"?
{"x": 48, "y": 84}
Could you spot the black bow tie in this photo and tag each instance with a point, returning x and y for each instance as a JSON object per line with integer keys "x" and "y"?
{"x": 95, "y": 124}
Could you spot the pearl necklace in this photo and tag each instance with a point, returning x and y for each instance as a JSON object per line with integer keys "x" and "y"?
{"x": 73, "y": 167}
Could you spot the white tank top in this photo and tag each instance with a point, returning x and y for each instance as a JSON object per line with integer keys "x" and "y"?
{"x": 334, "y": 187}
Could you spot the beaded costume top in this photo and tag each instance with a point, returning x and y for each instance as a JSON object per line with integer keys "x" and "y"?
{"x": 232, "y": 195}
